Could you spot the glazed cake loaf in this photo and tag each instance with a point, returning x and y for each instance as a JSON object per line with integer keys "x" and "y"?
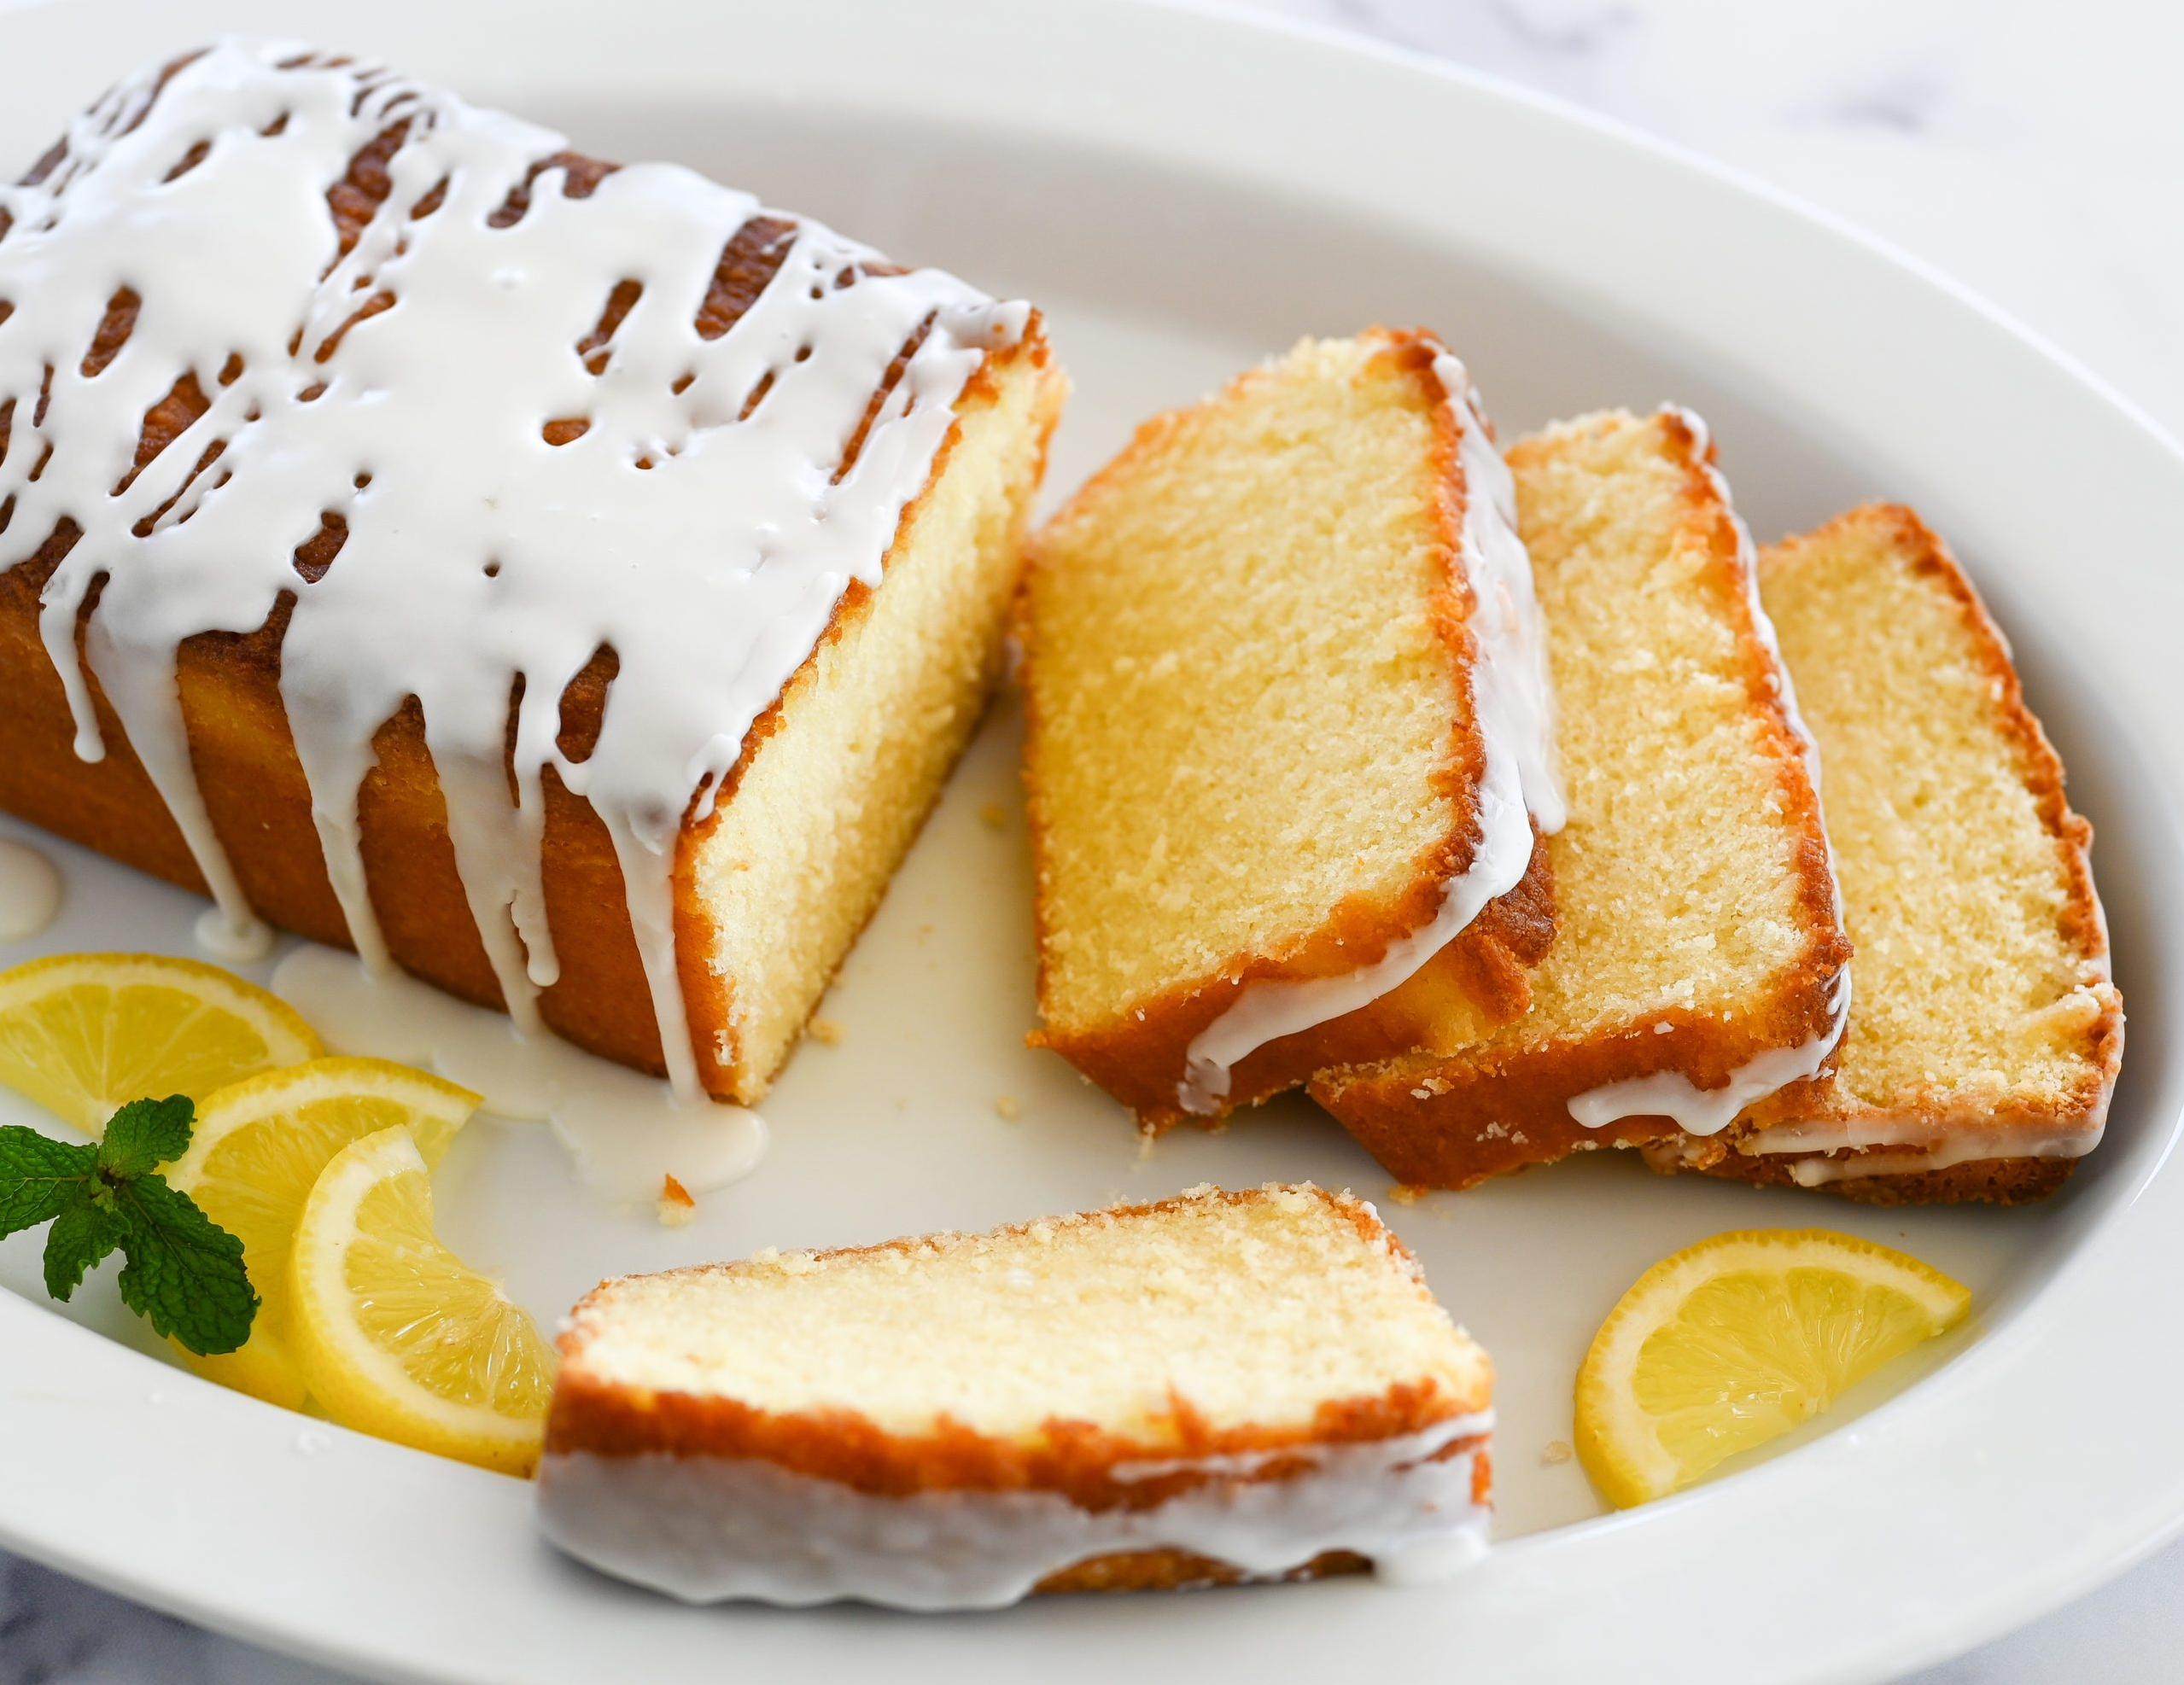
{"x": 1222, "y": 1386}
{"x": 1288, "y": 713}
{"x": 1701, "y": 958}
{"x": 569, "y": 583}
{"x": 1985, "y": 1033}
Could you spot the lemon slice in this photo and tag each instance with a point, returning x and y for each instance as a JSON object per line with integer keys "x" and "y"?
{"x": 83, "y": 1033}
{"x": 400, "y": 1337}
{"x": 1726, "y": 1344}
{"x": 259, "y": 1147}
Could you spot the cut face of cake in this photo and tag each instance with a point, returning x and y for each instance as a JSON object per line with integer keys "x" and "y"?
{"x": 569, "y": 583}
{"x": 1700, "y": 961}
{"x": 1289, "y": 732}
{"x": 1985, "y": 1032}
{"x": 1222, "y": 1386}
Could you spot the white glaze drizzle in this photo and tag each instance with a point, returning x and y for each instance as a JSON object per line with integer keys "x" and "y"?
{"x": 1707, "y": 1112}
{"x": 30, "y": 890}
{"x": 624, "y": 1130}
{"x": 1965, "y": 1147}
{"x": 1514, "y": 712}
{"x": 476, "y": 555}
{"x": 243, "y": 944}
{"x": 706, "y": 1528}
{"x": 1671, "y": 1093}
{"x": 1887, "y": 1146}
{"x": 1851, "y": 1150}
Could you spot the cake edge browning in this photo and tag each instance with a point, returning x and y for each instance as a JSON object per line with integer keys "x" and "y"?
{"x": 1140, "y": 1058}
{"x": 1999, "y": 1181}
{"x": 1453, "y": 1122}
{"x": 1074, "y": 1459}
{"x": 1993, "y": 1181}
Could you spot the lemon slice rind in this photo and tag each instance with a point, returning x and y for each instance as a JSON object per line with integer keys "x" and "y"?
{"x": 81, "y": 1058}
{"x": 258, "y": 1147}
{"x": 1620, "y": 1443}
{"x": 364, "y": 1386}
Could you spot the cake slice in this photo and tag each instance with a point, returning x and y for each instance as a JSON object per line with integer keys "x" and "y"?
{"x": 1288, "y": 713}
{"x": 568, "y": 582}
{"x": 1985, "y": 1033}
{"x": 1700, "y": 962}
{"x": 1220, "y": 1386}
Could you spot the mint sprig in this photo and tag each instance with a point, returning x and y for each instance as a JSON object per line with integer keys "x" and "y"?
{"x": 181, "y": 1270}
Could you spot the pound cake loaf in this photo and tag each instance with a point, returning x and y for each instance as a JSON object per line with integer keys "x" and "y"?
{"x": 1288, "y": 732}
{"x": 1986, "y": 1034}
{"x": 1220, "y": 1386}
{"x": 568, "y": 582}
{"x": 1701, "y": 959}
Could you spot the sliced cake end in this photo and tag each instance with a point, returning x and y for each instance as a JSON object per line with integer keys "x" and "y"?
{"x": 1700, "y": 957}
{"x": 1223, "y": 1385}
{"x": 1985, "y": 1032}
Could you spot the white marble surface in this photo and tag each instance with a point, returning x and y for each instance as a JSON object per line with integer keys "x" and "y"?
{"x": 2031, "y": 147}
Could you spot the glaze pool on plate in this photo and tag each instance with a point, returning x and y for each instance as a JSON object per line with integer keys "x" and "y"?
{"x": 1175, "y": 227}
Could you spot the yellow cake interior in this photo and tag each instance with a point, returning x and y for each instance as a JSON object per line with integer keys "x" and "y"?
{"x": 1243, "y": 706}
{"x": 801, "y": 853}
{"x": 1972, "y": 989}
{"x": 1256, "y": 1308}
{"x": 1673, "y": 882}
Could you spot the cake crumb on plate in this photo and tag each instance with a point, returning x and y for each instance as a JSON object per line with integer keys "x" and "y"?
{"x": 677, "y": 1206}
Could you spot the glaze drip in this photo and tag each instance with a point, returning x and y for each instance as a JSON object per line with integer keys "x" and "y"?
{"x": 706, "y": 1528}
{"x": 409, "y": 377}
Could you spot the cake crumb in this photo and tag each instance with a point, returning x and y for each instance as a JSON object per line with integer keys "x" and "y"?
{"x": 677, "y": 1206}
{"x": 1008, "y": 1106}
{"x": 827, "y": 1030}
{"x": 1555, "y": 1451}
{"x": 993, "y": 816}
{"x": 1405, "y": 1193}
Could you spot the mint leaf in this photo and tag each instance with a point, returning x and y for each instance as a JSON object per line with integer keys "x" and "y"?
{"x": 39, "y": 1177}
{"x": 185, "y": 1272}
{"x": 80, "y": 1236}
{"x": 145, "y": 1134}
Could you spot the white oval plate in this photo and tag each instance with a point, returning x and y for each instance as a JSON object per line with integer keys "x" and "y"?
{"x": 1186, "y": 193}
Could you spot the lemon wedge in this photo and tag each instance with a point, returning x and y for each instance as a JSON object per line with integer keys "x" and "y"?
{"x": 83, "y": 1033}
{"x": 1729, "y": 1344}
{"x": 258, "y": 1149}
{"x": 397, "y": 1336}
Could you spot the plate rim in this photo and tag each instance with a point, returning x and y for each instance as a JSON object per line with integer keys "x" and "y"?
{"x": 229, "y": 1421}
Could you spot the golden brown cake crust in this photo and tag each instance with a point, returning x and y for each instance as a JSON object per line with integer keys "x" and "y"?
{"x": 1076, "y": 1460}
{"x": 1140, "y": 1059}
{"x": 1453, "y": 1122}
{"x": 1994, "y": 1181}
{"x": 1179, "y": 1571}
{"x": 2001, "y": 1181}
{"x": 254, "y": 786}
